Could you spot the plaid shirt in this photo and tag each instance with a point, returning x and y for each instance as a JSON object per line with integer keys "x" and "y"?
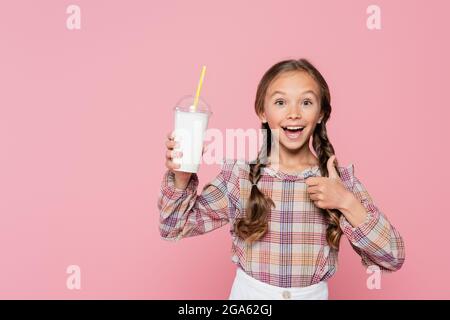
{"x": 294, "y": 252}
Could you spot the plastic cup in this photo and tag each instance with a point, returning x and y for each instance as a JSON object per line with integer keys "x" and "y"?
{"x": 190, "y": 128}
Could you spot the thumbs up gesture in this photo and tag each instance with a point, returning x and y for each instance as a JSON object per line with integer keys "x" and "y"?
{"x": 328, "y": 192}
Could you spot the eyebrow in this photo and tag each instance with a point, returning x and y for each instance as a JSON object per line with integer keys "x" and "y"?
{"x": 283, "y": 93}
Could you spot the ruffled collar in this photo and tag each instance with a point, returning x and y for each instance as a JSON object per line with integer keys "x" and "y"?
{"x": 313, "y": 171}
{"x": 347, "y": 173}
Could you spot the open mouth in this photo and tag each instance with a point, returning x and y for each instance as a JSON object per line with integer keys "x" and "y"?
{"x": 293, "y": 133}
{"x": 292, "y": 129}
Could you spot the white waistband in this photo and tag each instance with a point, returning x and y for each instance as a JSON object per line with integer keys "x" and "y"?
{"x": 246, "y": 286}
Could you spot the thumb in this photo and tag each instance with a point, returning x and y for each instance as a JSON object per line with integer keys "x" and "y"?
{"x": 332, "y": 172}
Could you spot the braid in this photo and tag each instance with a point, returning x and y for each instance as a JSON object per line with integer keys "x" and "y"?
{"x": 325, "y": 150}
{"x": 255, "y": 172}
{"x": 255, "y": 223}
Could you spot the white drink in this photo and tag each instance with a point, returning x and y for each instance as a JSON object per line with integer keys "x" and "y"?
{"x": 190, "y": 128}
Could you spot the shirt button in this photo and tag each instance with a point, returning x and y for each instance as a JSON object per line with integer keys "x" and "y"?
{"x": 286, "y": 295}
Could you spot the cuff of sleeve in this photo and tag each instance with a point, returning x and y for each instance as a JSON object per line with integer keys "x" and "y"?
{"x": 355, "y": 234}
{"x": 168, "y": 186}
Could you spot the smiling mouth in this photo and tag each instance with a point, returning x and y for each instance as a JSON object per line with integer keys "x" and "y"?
{"x": 293, "y": 133}
{"x": 292, "y": 129}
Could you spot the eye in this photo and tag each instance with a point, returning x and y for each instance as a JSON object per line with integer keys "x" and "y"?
{"x": 307, "y": 102}
{"x": 279, "y": 102}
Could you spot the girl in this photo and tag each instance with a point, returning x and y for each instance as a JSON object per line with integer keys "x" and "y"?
{"x": 288, "y": 209}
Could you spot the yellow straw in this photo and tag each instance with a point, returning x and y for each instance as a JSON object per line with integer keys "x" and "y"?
{"x": 199, "y": 87}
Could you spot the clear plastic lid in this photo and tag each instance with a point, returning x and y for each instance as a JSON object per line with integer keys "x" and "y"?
{"x": 186, "y": 104}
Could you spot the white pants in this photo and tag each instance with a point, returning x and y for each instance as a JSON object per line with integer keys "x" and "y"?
{"x": 246, "y": 287}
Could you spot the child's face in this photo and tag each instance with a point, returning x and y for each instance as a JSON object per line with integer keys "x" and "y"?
{"x": 292, "y": 100}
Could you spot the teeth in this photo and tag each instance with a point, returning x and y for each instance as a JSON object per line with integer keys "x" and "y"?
{"x": 294, "y": 128}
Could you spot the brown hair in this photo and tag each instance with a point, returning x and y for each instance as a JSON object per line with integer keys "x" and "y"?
{"x": 255, "y": 224}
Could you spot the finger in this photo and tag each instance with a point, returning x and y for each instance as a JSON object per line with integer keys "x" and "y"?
{"x": 170, "y": 136}
{"x": 171, "y": 165}
{"x": 315, "y": 197}
{"x": 332, "y": 172}
{"x": 170, "y": 154}
{"x": 313, "y": 189}
{"x": 313, "y": 181}
{"x": 170, "y": 144}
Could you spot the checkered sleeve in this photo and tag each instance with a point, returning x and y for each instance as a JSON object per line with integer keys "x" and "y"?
{"x": 375, "y": 240}
{"x": 184, "y": 213}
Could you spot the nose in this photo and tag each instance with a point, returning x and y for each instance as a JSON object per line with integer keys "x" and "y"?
{"x": 294, "y": 112}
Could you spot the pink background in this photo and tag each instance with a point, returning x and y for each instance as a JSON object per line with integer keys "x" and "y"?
{"x": 84, "y": 114}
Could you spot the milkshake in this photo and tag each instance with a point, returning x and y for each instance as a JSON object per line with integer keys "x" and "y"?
{"x": 190, "y": 128}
